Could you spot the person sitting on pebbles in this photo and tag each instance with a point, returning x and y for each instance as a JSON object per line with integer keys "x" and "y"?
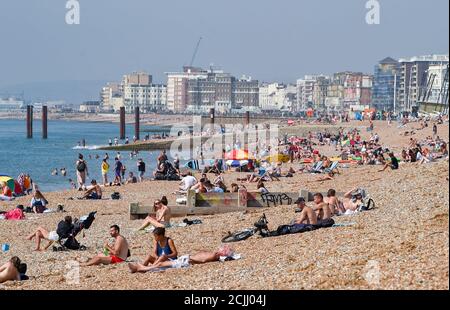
{"x": 161, "y": 218}
{"x": 315, "y": 215}
{"x": 163, "y": 250}
{"x": 94, "y": 192}
{"x": 184, "y": 261}
{"x": 113, "y": 254}
{"x": 11, "y": 271}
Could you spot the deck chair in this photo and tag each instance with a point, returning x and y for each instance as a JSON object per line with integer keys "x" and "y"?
{"x": 333, "y": 167}
{"x": 317, "y": 167}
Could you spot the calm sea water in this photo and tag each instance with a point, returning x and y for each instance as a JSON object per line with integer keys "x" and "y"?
{"x": 39, "y": 157}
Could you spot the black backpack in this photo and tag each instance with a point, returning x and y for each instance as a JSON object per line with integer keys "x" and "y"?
{"x": 81, "y": 167}
{"x": 115, "y": 196}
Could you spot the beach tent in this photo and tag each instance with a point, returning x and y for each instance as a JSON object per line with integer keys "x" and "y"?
{"x": 9, "y": 181}
{"x": 278, "y": 158}
{"x": 237, "y": 155}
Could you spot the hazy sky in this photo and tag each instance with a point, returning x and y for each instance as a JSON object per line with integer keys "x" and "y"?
{"x": 270, "y": 40}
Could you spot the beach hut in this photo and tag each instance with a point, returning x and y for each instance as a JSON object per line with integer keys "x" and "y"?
{"x": 8, "y": 180}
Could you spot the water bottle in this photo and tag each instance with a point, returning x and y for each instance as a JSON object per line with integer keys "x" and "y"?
{"x": 5, "y": 247}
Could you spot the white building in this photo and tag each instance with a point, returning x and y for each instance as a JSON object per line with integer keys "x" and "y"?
{"x": 277, "y": 97}
{"x": 107, "y": 94}
{"x": 437, "y": 74}
{"x": 11, "y": 104}
{"x": 305, "y": 91}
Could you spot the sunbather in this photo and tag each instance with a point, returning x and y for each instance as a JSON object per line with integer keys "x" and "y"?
{"x": 185, "y": 260}
{"x": 43, "y": 234}
{"x": 317, "y": 214}
{"x": 94, "y": 192}
{"x": 115, "y": 253}
{"x": 10, "y": 270}
{"x": 161, "y": 218}
{"x": 163, "y": 250}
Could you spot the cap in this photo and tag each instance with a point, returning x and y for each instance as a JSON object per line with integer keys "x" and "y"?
{"x": 300, "y": 200}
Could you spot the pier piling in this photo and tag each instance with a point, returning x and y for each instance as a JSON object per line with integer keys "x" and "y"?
{"x": 44, "y": 121}
{"x": 247, "y": 118}
{"x": 29, "y": 121}
{"x": 136, "y": 123}
{"x": 122, "y": 123}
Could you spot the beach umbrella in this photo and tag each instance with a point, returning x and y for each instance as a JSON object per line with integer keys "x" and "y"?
{"x": 8, "y": 180}
{"x": 278, "y": 158}
{"x": 237, "y": 155}
{"x": 236, "y": 163}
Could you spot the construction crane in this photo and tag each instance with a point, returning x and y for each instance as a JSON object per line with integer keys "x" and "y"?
{"x": 195, "y": 52}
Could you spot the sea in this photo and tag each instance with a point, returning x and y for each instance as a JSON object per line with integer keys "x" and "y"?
{"x": 39, "y": 157}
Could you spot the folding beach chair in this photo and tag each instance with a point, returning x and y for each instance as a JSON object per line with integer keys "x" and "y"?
{"x": 333, "y": 167}
{"x": 317, "y": 167}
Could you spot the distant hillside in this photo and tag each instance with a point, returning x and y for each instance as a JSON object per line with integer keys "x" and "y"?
{"x": 72, "y": 92}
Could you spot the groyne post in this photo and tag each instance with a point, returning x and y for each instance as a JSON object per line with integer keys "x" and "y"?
{"x": 29, "y": 121}
{"x": 44, "y": 121}
{"x": 122, "y": 123}
{"x": 136, "y": 122}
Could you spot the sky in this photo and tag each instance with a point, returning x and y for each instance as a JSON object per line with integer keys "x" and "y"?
{"x": 269, "y": 40}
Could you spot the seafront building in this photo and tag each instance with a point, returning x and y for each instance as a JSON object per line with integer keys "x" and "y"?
{"x": 415, "y": 75}
{"x": 384, "y": 84}
{"x": 196, "y": 90}
{"x": 135, "y": 90}
{"x": 278, "y": 97}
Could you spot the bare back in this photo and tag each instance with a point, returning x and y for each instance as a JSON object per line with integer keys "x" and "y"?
{"x": 121, "y": 247}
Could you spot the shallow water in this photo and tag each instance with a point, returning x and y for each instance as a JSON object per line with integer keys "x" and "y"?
{"x": 39, "y": 157}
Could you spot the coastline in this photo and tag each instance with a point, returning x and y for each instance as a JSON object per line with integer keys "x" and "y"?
{"x": 405, "y": 236}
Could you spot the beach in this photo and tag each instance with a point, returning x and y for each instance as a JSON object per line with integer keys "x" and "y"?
{"x": 401, "y": 244}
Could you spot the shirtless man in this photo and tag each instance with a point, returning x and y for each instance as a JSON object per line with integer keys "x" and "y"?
{"x": 161, "y": 218}
{"x": 95, "y": 192}
{"x": 316, "y": 214}
{"x": 116, "y": 253}
{"x": 10, "y": 270}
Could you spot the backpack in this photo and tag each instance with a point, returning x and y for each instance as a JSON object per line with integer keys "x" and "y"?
{"x": 115, "y": 196}
{"x": 81, "y": 167}
{"x": 72, "y": 243}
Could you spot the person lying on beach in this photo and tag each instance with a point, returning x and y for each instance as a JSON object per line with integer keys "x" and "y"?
{"x": 10, "y": 270}
{"x": 163, "y": 250}
{"x": 38, "y": 202}
{"x": 93, "y": 193}
{"x": 184, "y": 261}
{"x": 52, "y": 236}
{"x": 328, "y": 177}
{"x": 161, "y": 218}
{"x": 6, "y": 192}
{"x": 393, "y": 164}
{"x": 113, "y": 254}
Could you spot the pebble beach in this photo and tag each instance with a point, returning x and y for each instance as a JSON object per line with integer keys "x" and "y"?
{"x": 402, "y": 244}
